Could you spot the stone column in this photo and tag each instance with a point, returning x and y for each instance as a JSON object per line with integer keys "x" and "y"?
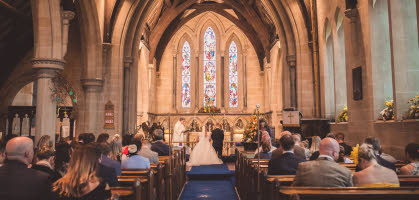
{"x": 293, "y": 79}
{"x": 92, "y": 87}
{"x": 46, "y": 103}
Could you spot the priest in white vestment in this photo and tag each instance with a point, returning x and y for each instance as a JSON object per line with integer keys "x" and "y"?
{"x": 178, "y": 134}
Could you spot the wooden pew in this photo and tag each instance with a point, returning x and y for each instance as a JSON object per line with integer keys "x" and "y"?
{"x": 133, "y": 190}
{"x": 147, "y": 178}
{"x": 349, "y": 193}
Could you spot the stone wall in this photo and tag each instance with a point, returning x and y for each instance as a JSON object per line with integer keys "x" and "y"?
{"x": 368, "y": 45}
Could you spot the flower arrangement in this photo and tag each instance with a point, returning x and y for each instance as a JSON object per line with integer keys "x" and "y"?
{"x": 251, "y": 129}
{"x": 354, "y": 154}
{"x": 210, "y": 110}
{"x": 61, "y": 89}
{"x": 414, "y": 107}
{"x": 343, "y": 116}
{"x": 387, "y": 113}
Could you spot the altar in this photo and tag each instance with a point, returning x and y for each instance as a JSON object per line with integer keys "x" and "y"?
{"x": 229, "y": 143}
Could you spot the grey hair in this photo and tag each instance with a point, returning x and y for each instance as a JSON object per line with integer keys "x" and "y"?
{"x": 366, "y": 151}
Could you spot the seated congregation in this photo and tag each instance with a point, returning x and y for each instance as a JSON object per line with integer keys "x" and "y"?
{"x": 329, "y": 168}
{"x": 128, "y": 167}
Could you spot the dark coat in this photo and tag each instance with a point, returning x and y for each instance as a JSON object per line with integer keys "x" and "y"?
{"x": 348, "y": 149}
{"x": 52, "y": 175}
{"x": 18, "y": 182}
{"x": 286, "y": 164}
{"x": 108, "y": 174}
{"x": 217, "y": 137}
{"x": 161, "y": 148}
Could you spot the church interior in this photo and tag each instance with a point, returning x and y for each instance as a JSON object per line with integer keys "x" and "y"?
{"x": 126, "y": 67}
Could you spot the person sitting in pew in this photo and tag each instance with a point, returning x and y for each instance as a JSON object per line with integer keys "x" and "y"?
{"x": 81, "y": 180}
{"x": 324, "y": 172}
{"x": 375, "y": 142}
{"x": 287, "y": 163}
{"x": 148, "y": 153}
{"x": 105, "y": 150}
{"x": 373, "y": 174}
{"x": 412, "y": 154}
{"x": 158, "y": 146}
{"x": 342, "y": 158}
{"x": 340, "y": 137}
{"x": 135, "y": 161}
{"x": 266, "y": 152}
{"x": 45, "y": 157}
{"x": 299, "y": 151}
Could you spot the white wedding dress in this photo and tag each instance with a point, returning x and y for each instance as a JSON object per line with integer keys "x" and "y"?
{"x": 203, "y": 153}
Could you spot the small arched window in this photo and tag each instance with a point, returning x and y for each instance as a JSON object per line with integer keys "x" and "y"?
{"x": 233, "y": 76}
{"x": 186, "y": 75}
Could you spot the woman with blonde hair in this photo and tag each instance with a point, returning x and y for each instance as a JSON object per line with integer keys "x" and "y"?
{"x": 81, "y": 180}
{"x": 116, "y": 147}
{"x": 372, "y": 173}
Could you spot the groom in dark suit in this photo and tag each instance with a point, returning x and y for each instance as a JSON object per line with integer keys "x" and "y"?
{"x": 217, "y": 137}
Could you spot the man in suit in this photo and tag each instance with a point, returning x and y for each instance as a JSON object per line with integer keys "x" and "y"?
{"x": 17, "y": 180}
{"x": 217, "y": 137}
{"x": 158, "y": 146}
{"x": 324, "y": 172}
{"x": 287, "y": 163}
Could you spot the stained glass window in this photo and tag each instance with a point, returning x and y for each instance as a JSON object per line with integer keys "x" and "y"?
{"x": 186, "y": 75}
{"x": 209, "y": 68}
{"x": 233, "y": 76}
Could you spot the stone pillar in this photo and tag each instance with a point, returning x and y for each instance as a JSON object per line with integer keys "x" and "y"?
{"x": 126, "y": 94}
{"x": 291, "y": 59}
{"x": 269, "y": 87}
{"x": 46, "y": 103}
{"x": 92, "y": 87}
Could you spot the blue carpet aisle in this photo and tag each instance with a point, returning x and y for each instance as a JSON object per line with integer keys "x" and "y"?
{"x": 210, "y": 182}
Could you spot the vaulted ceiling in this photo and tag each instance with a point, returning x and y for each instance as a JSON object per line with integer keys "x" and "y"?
{"x": 167, "y": 16}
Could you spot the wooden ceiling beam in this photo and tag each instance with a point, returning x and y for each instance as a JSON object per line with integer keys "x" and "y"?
{"x": 13, "y": 12}
{"x": 168, "y": 16}
{"x": 241, "y": 24}
{"x": 252, "y": 17}
{"x": 168, "y": 3}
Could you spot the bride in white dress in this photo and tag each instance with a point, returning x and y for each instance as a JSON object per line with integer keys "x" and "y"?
{"x": 204, "y": 153}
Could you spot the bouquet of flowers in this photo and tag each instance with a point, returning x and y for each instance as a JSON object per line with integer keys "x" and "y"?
{"x": 414, "y": 107}
{"x": 387, "y": 113}
{"x": 251, "y": 129}
{"x": 354, "y": 154}
{"x": 210, "y": 110}
{"x": 343, "y": 116}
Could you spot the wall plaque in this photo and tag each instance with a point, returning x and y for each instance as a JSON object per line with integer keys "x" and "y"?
{"x": 109, "y": 115}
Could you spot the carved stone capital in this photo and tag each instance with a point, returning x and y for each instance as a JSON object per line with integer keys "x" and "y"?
{"x": 106, "y": 47}
{"x": 48, "y": 63}
{"x": 352, "y": 14}
{"x": 127, "y": 62}
{"x": 67, "y": 16}
{"x": 46, "y": 73}
{"x": 292, "y": 60}
{"x": 92, "y": 84}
